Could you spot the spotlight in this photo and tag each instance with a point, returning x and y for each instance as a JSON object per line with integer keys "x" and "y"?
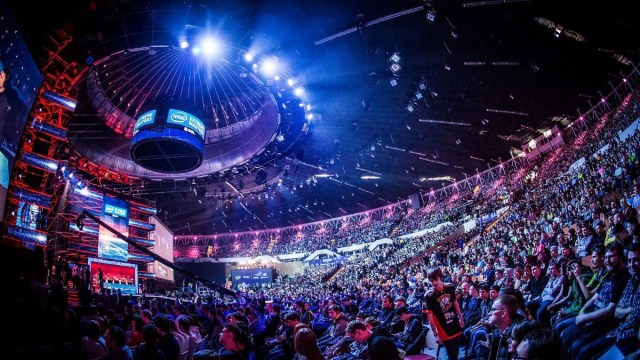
{"x": 211, "y": 46}
{"x": 184, "y": 44}
{"x": 291, "y": 82}
{"x": 269, "y": 67}
{"x": 248, "y": 57}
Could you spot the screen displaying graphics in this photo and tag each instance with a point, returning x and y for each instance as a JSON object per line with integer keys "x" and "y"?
{"x": 145, "y": 119}
{"x": 19, "y": 84}
{"x": 251, "y": 276}
{"x": 113, "y": 275}
{"x": 115, "y": 213}
{"x": 189, "y": 123}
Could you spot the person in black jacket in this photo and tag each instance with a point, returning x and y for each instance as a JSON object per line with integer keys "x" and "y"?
{"x": 379, "y": 343}
{"x": 412, "y": 328}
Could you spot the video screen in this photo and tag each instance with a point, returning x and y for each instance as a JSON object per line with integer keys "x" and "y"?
{"x": 20, "y": 80}
{"x": 115, "y": 213}
{"x": 113, "y": 275}
{"x": 251, "y": 277}
{"x": 190, "y": 123}
{"x": 163, "y": 239}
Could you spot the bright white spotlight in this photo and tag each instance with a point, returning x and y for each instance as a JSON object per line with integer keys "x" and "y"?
{"x": 196, "y": 50}
{"x": 184, "y": 44}
{"x": 291, "y": 82}
{"x": 276, "y": 78}
{"x": 211, "y": 46}
{"x": 269, "y": 67}
{"x": 248, "y": 57}
{"x": 308, "y": 107}
{"x": 299, "y": 91}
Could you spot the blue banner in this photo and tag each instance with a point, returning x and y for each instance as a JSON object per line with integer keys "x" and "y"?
{"x": 336, "y": 259}
{"x": 145, "y": 119}
{"x": 251, "y": 276}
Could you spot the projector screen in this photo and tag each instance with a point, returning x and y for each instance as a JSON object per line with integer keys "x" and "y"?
{"x": 20, "y": 80}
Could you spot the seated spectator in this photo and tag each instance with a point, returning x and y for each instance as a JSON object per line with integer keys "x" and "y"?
{"x": 597, "y": 315}
{"x": 627, "y": 311}
{"x": 379, "y": 344}
{"x": 539, "y": 307}
{"x": 412, "y": 328}
{"x": 337, "y": 328}
{"x": 504, "y": 315}
{"x": 306, "y": 345}
{"x": 518, "y": 332}
{"x": 539, "y": 344}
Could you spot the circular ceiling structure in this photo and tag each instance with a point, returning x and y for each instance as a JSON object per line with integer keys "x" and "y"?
{"x": 237, "y": 109}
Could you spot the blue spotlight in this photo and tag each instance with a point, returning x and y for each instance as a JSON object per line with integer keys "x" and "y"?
{"x": 184, "y": 44}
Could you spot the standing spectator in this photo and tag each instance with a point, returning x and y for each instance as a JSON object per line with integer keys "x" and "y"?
{"x": 149, "y": 350}
{"x": 167, "y": 341}
{"x": 444, "y": 313}
{"x": 93, "y": 345}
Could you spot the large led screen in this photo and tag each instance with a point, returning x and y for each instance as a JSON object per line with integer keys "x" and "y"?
{"x": 19, "y": 84}
{"x": 189, "y": 122}
{"x": 115, "y": 213}
{"x": 114, "y": 275}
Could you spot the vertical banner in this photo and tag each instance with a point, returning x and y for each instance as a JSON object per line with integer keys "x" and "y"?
{"x": 115, "y": 213}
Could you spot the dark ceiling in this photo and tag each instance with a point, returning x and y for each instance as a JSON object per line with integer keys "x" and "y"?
{"x": 491, "y": 75}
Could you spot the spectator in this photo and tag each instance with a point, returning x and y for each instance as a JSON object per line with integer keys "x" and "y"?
{"x": 379, "y": 344}
{"x": 306, "y": 345}
{"x": 444, "y": 313}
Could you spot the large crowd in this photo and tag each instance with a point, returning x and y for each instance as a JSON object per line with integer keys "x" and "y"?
{"x": 554, "y": 276}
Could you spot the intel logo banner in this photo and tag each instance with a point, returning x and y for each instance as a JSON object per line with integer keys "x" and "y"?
{"x": 187, "y": 121}
{"x": 145, "y": 119}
